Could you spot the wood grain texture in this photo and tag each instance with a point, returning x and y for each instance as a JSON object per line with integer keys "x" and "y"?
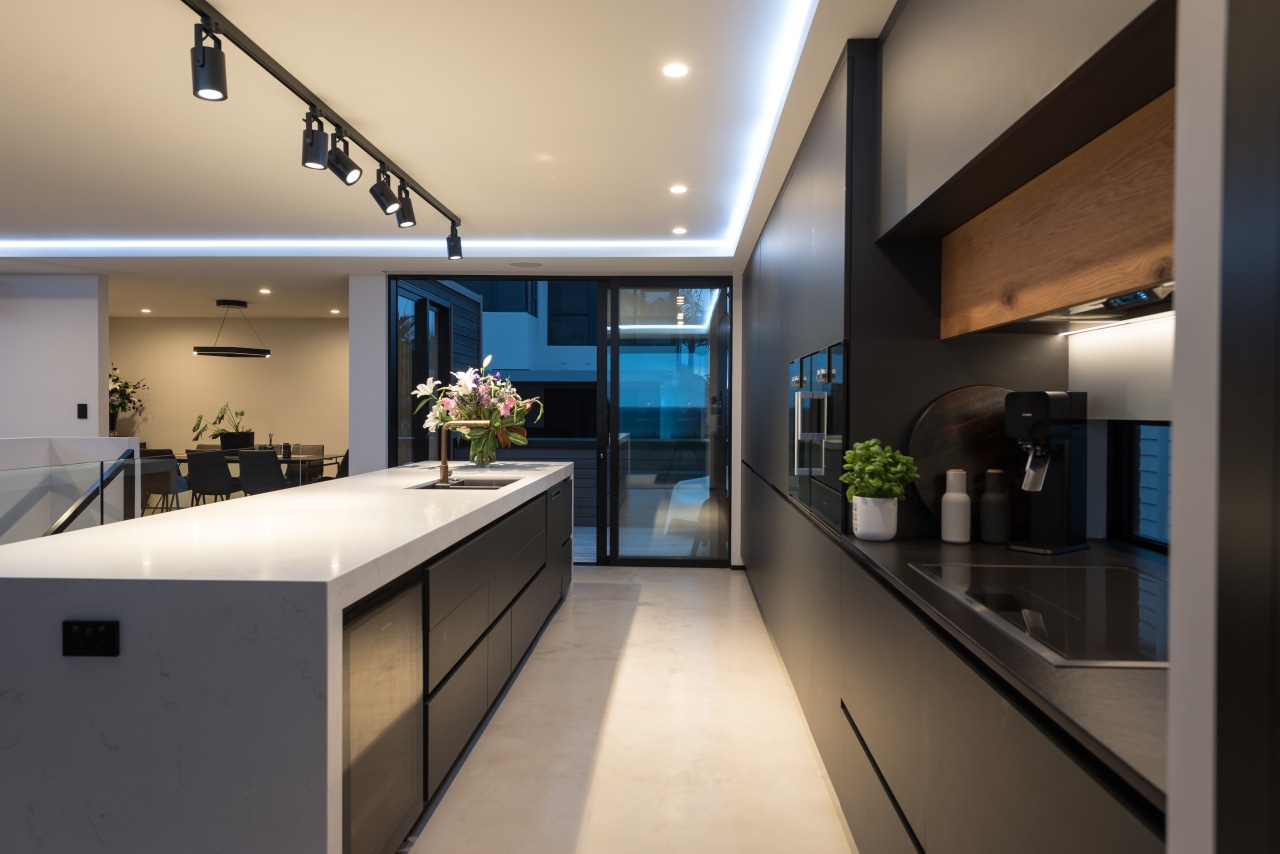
{"x": 1097, "y": 224}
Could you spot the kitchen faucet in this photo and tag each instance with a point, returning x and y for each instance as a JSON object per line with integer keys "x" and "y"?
{"x": 444, "y": 445}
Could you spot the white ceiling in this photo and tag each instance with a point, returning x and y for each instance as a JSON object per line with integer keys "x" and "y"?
{"x": 547, "y": 126}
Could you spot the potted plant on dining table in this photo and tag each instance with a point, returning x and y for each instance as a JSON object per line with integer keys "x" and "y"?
{"x": 478, "y": 396}
{"x": 227, "y": 427}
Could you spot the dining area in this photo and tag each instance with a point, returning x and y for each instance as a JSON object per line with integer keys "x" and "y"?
{"x": 210, "y": 472}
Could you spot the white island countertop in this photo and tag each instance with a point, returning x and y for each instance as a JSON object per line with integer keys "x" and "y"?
{"x": 219, "y": 725}
{"x": 356, "y": 532}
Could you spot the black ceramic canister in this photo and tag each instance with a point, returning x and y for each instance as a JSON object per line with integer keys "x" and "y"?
{"x": 993, "y": 509}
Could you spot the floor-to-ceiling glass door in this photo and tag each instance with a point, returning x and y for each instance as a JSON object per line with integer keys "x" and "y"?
{"x": 664, "y": 451}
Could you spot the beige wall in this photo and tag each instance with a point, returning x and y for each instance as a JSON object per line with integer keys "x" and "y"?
{"x": 299, "y": 394}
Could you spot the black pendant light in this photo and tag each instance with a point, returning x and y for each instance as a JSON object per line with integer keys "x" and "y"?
{"x": 208, "y": 65}
{"x": 404, "y": 216}
{"x": 315, "y": 143}
{"x": 233, "y": 352}
{"x": 382, "y": 193}
{"x": 454, "y": 243}
{"x": 340, "y": 162}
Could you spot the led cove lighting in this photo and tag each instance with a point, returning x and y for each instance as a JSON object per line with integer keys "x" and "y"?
{"x": 675, "y": 69}
{"x": 1133, "y": 322}
{"x": 792, "y": 25}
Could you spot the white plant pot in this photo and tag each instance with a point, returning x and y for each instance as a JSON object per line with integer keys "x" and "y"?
{"x": 874, "y": 518}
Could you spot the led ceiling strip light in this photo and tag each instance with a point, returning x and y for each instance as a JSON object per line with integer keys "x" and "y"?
{"x": 209, "y": 82}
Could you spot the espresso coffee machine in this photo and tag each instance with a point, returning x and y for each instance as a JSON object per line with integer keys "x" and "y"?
{"x": 1050, "y": 427}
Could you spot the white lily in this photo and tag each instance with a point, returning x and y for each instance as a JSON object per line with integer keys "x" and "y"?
{"x": 467, "y": 379}
{"x": 433, "y": 421}
{"x": 487, "y": 360}
{"x": 425, "y": 389}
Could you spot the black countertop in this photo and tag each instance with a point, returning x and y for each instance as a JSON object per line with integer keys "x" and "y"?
{"x": 1117, "y": 714}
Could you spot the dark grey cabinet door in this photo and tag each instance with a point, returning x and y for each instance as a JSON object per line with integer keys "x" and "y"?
{"x": 382, "y": 735}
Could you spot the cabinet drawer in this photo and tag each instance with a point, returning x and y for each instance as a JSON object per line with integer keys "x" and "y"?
{"x": 489, "y": 553}
{"x": 499, "y": 656}
{"x": 872, "y": 819}
{"x": 453, "y": 715}
{"x": 560, "y": 512}
{"x": 450, "y": 639}
{"x": 508, "y": 579}
{"x": 531, "y": 609}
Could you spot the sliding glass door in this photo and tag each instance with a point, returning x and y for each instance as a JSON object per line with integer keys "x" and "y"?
{"x": 665, "y": 446}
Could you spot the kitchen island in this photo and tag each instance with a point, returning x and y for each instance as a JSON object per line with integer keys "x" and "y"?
{"x": 220, "y": 724}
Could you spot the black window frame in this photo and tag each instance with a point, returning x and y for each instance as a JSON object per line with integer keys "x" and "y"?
{"x": 1122, "y": 482}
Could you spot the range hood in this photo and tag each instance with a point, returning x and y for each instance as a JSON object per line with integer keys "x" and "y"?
{"x": 1126, "y": 308}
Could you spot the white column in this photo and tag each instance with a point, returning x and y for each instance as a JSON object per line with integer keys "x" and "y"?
{"x": 370, "y": 320}
{"x": 53, "y": 346}
{"x": 1193, "y": 528}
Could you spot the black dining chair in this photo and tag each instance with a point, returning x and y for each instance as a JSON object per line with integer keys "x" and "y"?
{"x": 208, "y": 474}
{"x": 260, "y": 472}
{"x": 160, "y": 476}
{"x": 342, "y": 466}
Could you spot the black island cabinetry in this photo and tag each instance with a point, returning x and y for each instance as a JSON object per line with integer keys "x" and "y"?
{"x": 427, "y": 656}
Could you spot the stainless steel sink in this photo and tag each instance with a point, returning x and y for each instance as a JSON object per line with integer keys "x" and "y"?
{"x": 1069, "y": 615}
{"x": 470, "y": 483}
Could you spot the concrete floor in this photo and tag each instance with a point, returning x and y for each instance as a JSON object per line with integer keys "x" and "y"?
{"x": 653, "y": 716}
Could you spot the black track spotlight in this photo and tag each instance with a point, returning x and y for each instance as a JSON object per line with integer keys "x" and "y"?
{"x": 383, "y": 194}
{"x": 454, "y": 243}
{"x": 404, "y": 216}
{"x": 340, "y": 163}
{"x": 208, "y": 65}
{"x": 315, "y": 143}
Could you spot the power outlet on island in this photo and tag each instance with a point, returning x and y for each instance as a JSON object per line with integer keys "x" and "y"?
{"x": 99, "y": 638}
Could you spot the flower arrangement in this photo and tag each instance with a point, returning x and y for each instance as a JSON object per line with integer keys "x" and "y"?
{"x": 123, "y": 394}
{"x": 873, "y": 470}
{"x": 479, "y": 396}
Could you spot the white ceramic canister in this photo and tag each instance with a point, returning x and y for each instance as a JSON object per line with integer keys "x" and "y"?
{"x": 956, "y": 508}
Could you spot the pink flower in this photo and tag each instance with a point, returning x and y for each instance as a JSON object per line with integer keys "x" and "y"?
{"x": 507, "y": 405}
{"x": 448, "y": 404}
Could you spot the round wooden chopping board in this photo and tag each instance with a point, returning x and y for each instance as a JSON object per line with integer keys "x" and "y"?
{"x": 964, "y": 429}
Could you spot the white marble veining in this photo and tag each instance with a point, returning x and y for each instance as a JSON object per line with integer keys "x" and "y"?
{"x": 653, "y": 715}
{"x": 219, "y": 726}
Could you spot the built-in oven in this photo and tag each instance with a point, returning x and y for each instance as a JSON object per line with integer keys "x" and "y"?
{"x": 817, "y": 415}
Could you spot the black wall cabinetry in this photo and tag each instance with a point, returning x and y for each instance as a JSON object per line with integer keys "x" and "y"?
{"x": 797, "y": 575}
{"x": 972, "y": 773}
{"x": 969, "y": 772}
{"x": 809, "y": 284}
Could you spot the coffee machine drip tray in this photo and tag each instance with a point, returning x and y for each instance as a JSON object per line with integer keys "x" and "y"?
{"x": 1071, "y": 616}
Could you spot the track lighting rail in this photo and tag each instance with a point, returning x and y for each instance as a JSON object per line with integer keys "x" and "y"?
{"x": 219, "y": 25}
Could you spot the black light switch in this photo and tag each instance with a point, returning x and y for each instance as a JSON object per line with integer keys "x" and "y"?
{"x": 91, "y": 637}
{"x": 82, "y": 410}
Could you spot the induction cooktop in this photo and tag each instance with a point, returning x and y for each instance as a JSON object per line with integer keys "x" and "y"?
{"x": 1072, "y": 616}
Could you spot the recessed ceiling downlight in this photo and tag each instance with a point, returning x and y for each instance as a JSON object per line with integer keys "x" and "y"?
{"x": 679, "y": 229}
{"x": 675, "y": 69}
{"x": 679, "y": 189}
